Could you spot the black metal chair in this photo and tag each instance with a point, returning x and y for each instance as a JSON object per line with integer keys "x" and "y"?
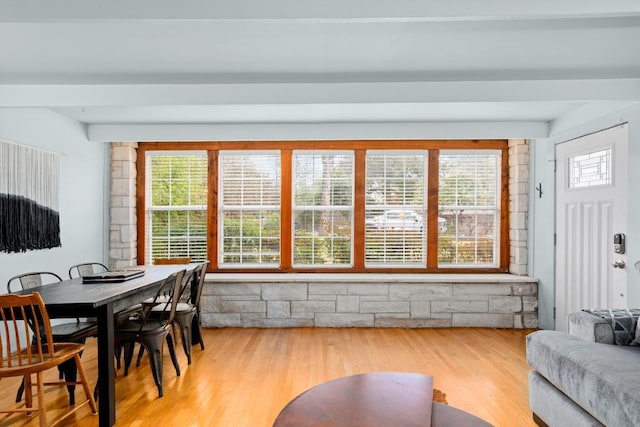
{"x": 72, "y": 332}
{"x": 80, "y": 270}
{"x": 187, "y": 310}
{"x": 152, "y": 333}
{"x": 195, "y": 301}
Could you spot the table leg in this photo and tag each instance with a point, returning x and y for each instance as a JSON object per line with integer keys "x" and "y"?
{"x": 106, "y": 377}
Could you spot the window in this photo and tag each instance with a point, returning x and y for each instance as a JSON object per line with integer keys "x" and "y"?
{"x": 590, "y": 169}
{"x": 469, "y": 202}
{"x": 355, "y": 206}
{"x": 395, "y": 208}
{"x": 176, "y": 205}
{"x": 249, "y": 208}
{"x": 322, "y": 208}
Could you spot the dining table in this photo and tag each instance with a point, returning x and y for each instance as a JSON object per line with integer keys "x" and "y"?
{"x": 72, "y": 299}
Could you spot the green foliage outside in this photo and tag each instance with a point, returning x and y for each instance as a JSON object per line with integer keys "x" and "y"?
{"x": 178, "y": 181}
{"x": 323, "y": 236}
{"x": 467, "y": 198}
{"x": 453, "y": 250}
{"x": 251, "y": 237}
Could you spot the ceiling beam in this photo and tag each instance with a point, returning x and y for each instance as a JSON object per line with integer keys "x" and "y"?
{"x": 316, "y": 131}
{"x": 327, "y": 10}
{"x": 319, "y": 93}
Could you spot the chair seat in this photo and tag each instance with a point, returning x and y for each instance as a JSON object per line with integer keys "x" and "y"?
{"x": 133, "y": 326}
{"x": 61, "y": 351}
{"x": 123, "y": 315}
{"x": 181, "y": 306}
{"x": 73, "y": 331}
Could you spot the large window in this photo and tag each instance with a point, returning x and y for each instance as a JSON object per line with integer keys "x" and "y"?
{"x": 469, "y": 201}
{"x": 176, "y": 205}
{"x": 395, "y": 208}
{"x": 379, "y": 206}
{"x": 322, "y": 208}
{"x": 249, "y": 209}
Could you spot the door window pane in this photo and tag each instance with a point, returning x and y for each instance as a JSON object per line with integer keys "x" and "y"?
{"x": 590, "y": 169}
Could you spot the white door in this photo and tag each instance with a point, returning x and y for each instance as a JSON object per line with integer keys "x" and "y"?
{"x": 591, "y": 207}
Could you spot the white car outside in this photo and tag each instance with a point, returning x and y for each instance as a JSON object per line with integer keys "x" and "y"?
{"x": 402, "y": 220}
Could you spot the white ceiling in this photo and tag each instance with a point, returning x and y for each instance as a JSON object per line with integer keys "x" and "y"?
{"x": 160, "y": 62}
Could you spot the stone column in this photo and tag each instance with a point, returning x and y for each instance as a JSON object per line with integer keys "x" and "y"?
{"x": 123, "y": 237}
{"x": 518, "y": 205}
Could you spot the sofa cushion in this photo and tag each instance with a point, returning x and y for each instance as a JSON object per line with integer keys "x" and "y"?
{"x": 590, "y": 327}
{"x": 603, "y": 379}
{"x": 623, "y": 322}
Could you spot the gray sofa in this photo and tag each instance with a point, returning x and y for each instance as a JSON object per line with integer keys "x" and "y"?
{"x": 583, "y": 378}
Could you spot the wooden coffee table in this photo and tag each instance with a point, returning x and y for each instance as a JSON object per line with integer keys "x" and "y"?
{"x": 374, "y": 400}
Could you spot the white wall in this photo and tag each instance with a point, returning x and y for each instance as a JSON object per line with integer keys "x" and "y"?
{"x": 83, "y": 191}
{"x": 542, "y": 209}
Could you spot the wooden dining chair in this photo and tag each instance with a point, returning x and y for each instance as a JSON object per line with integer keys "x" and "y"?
{"x": 86, "y": 268}
{"x": 169, "y": 261}
{"x": 152, "y": 333}
{"x": 75, "y": 332}
{"x": 22, "y": 357}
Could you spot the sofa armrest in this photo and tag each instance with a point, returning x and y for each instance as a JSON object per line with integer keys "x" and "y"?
{"x": 590, "y": 327}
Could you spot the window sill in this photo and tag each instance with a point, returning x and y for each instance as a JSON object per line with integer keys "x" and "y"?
{"x": 367, "y": 278}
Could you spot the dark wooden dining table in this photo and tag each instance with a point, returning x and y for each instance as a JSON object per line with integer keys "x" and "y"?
{"x": 72, "y": 299}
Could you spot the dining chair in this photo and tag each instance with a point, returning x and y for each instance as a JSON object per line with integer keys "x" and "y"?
{"x": 152, "y": 333}
{"x": 87, "y": 268}
{"x": 80, "y": 270}
{"x": 21, "y": 359}
{"x": 75, "y": 332}
{"x": 195, "y": 301}
{"x": 186, "y": 314}
{"x": 169, "y": 261}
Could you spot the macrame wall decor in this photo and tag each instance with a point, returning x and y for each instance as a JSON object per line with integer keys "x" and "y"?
{"x": 29, "y": 217}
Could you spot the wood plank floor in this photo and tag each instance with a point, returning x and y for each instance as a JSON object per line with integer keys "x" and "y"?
{"x": 245, "y": 376}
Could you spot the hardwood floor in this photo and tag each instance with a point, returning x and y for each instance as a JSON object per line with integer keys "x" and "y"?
{"x": 245, "y": 376}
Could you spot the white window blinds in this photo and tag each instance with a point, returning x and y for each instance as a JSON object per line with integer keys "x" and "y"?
{"x": 469, "y": 200}
{"x": 395, "y": 210}
{"x": 176, "y": 200}
{"x": 322, "y": 208}
{"x": 249, "y": 208}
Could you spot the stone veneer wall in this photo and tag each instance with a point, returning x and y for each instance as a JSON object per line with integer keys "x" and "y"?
{"x": 369, "y": 300}
{"x": 518, "y": 205}
{"x": 123, "y": 239}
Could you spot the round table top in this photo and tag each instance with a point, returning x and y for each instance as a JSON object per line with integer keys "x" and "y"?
{"x": 373, "y": 400}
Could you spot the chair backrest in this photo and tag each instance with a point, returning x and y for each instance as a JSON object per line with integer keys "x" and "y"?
{"x": 185, "y": 288}
{"x": 29, "y": 311}
{"x": 168, "y": 261}
{"x": 171, "y": 287}
{"x": 81, "y": 270}
{"x": 202, "y": 271}
{"x": 32, "y": 280}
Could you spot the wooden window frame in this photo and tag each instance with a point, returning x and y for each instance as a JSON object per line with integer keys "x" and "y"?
{"x": 359, "y": 148}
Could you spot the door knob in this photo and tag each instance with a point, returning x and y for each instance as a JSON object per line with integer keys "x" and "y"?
{"x": 618, "y": 263}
